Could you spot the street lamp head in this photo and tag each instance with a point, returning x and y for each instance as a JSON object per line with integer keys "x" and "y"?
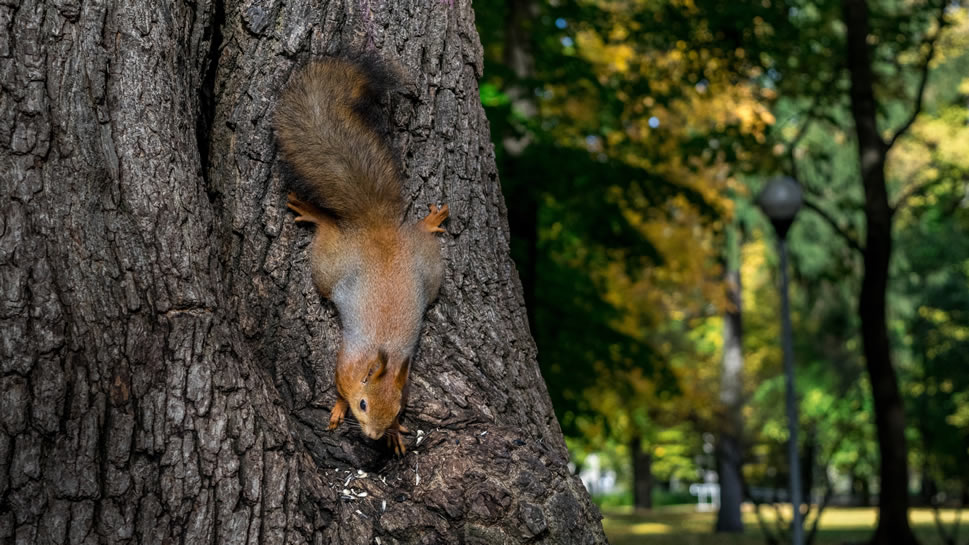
{"x": 780, "y": 200}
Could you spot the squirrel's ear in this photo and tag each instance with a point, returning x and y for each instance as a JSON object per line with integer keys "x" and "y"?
{"x": 381, "y": 363}
{"x": 402, "y": 374}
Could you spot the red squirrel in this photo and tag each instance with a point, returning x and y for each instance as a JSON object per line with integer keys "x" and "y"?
{"x": 380, "y": 272}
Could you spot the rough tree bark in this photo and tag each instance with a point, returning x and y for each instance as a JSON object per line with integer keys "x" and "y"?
{"x": 164, "y": 357}
{"x": 893, "y": 501}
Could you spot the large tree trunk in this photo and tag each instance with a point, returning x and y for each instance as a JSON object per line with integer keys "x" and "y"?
{"x": 164, "y": 353}
{"x": 893, "y": 525}
{"x": 729, "y": 440}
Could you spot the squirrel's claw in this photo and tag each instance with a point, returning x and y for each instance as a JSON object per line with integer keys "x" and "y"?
{"x": 395, "y": 441}
{"x": 432, "y": 222}
{"x": 337, "y": 413}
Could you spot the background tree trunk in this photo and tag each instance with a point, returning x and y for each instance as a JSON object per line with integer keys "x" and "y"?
{"x": 893, "y": 501}
{"x": 642, "y": 462}
{"x": 165, "y": 358}
{"x": 729, "y": 440}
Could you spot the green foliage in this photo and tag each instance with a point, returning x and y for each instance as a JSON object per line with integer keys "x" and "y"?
{"x": 933, "y": 321}
{"x": 641, "y": 132}
{"x": 623, "y": 498}
{"x": 661, "y": 498}
{"x": 575, "y": 199}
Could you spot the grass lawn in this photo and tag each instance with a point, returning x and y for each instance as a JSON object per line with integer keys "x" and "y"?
{"x": 682, "y": 525}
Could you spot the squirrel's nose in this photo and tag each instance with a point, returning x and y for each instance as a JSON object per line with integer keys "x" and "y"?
{"x": 374, "y": 434}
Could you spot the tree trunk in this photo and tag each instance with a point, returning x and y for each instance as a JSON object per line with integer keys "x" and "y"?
{"x": 642, "y": 475}
{"x": 729, "y": 445}
{"x": 164, "y": 354}
{"x": 861, "y": 490}
{"x": 893, "y": 525}
{"x": 928, "y": 489}
{"x": 809, "y": 462}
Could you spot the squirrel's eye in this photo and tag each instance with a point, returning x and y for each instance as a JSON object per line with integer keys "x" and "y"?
{"x": 363, "y": 405}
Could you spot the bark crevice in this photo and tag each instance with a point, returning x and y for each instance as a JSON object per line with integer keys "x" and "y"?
{"x": 207, "y": 91}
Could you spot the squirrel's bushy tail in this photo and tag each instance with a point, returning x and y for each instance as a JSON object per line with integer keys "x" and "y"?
{"x": 327, "y": 124}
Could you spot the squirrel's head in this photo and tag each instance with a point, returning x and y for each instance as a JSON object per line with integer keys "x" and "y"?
{"x": 376, "y": 393}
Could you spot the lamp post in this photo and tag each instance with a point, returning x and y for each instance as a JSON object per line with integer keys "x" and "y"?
{"x": 780, "y": 200}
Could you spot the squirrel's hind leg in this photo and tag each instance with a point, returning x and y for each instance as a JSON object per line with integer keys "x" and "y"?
{"x": 329, "y": 249}
{"x": 306, "y": 211}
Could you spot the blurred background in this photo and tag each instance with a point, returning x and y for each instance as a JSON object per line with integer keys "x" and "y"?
{"x": 632, "y": 139}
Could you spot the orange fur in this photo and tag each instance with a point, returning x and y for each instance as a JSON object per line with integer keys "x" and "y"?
{"x": 380, "y": 273}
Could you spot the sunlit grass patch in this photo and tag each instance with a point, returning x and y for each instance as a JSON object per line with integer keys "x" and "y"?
{"x": 682, "y": 525}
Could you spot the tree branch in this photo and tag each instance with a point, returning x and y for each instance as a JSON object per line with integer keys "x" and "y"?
{"x": 914, "y": 190}
{"x": 797, "y": 138}
{"x": 811, "y": 114}
{"x": 828, "y": 486}
{"x": 848, "y": 237}
{"x": 769, "y": 535}
{"x": 920, "y": 94}
{"x": 939, "y": 526}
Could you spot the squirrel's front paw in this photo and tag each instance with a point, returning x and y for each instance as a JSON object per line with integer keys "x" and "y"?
{"x": 396, "y": 442}
{"x": 432, "y": 222}
{"x": 394, "y": 439}
{"x": 337, "y": 413}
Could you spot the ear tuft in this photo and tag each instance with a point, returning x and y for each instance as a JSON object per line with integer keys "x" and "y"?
{"x": 381, "y": 362}
{"x": 402, "y": 373}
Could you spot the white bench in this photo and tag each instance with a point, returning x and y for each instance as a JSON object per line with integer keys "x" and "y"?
{"x": 707, "y": 496}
